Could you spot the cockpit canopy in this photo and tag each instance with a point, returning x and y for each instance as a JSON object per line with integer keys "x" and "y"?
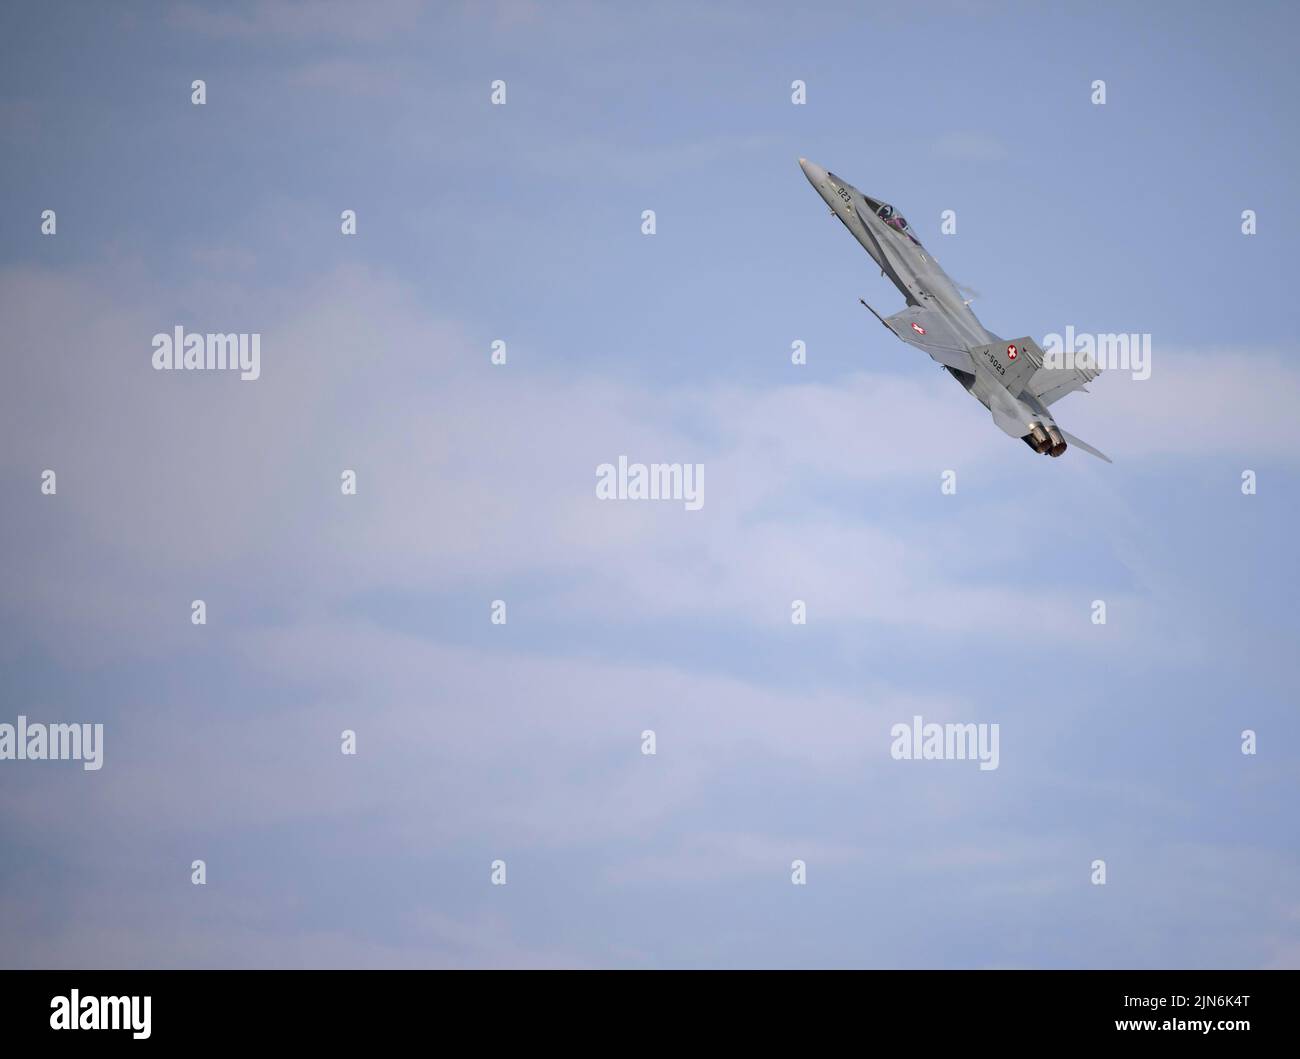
{"x": 896, "y": 220}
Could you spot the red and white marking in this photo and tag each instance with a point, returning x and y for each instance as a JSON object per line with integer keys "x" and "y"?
{"x": 1012, "y": 352}
{"x": 918, "y": 329}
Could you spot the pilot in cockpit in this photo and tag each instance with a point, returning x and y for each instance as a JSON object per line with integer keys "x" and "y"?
{"x": 894, "y": 220}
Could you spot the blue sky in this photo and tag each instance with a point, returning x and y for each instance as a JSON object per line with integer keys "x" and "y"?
{"x": 476, "y": 482}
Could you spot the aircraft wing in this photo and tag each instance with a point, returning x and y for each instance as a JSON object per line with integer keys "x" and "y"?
{"x": 1051, "y": 384}
{"x": 930, "y": 330}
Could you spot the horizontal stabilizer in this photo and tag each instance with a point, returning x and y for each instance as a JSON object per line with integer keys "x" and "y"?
{"x": 1072, "y": 440}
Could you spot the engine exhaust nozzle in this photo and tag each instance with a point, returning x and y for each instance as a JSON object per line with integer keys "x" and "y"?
{"x": 1058, "y": 442}
{"x": 1038, "y": 438}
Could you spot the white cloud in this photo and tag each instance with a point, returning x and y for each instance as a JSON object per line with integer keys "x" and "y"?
{"x": 175, "y": 487}
{"x": 472, "y": 475}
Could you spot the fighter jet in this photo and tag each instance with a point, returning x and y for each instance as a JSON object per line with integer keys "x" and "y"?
{"x": 1007, "y": 377}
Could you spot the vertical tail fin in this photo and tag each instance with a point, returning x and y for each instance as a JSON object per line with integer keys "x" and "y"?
{"x": 1013, "y": 362}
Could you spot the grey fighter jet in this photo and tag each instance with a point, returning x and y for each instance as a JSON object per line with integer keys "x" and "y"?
{"x": 1007, "y": 377}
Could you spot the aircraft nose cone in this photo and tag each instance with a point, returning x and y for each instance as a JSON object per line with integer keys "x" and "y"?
{"x": 815, "y": 173}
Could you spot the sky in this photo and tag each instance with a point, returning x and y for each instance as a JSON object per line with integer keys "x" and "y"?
{"x": 523, "y": 743}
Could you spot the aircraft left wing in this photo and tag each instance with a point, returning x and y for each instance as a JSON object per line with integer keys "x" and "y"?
{"x": 929, "y": 330}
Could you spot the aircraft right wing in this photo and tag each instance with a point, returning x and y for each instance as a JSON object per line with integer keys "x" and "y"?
{"x": 929, "y": 330}
{"x": 1051, "y": 384}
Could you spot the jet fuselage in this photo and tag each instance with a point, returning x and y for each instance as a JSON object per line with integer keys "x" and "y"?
{"x": 922, "y": 282}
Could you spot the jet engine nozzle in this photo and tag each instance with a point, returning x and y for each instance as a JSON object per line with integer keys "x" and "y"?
{"x": 1037, "y": 438}
{"x": 1058, "y": 442}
